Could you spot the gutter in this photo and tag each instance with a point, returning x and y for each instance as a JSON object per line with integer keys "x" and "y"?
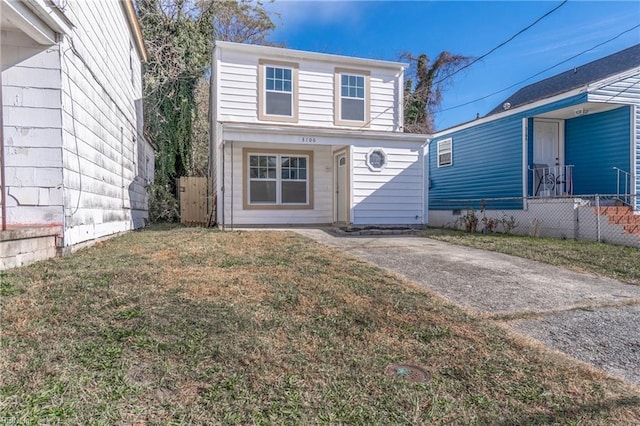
{"x": 261, "y": 129}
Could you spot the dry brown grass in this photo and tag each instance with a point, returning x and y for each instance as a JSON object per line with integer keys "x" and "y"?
{"x": 197, "y": 326}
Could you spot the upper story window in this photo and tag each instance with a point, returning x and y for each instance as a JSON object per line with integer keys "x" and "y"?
{"x": 352, "y": 98}
{"x": 278, "y": 91}
{"x": 445, "y": 152}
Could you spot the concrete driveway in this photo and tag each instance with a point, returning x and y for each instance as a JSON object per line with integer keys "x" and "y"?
{"x": 591, "y": 318}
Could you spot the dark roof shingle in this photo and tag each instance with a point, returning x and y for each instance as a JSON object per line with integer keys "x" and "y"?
{"x": 588, "y": 73}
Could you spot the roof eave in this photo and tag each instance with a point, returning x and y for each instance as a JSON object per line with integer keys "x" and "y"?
{"x": 516, "y": 110}
{"x": 304, "y": 55}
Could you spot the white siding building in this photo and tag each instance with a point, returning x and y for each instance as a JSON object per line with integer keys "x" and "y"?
{"x": 75, "y": 164}
{"x": 303, "y": 138}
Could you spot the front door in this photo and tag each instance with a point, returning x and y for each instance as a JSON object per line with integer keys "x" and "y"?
{"x": 548, "y": 152}
{"x": 342, "y": 189}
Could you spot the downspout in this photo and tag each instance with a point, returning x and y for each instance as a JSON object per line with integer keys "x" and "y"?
{"x": 231, "y": 185}
{"x": 224, "y": 187}
{"x": 425, "y": 181}
{"x": 3, "y": 189}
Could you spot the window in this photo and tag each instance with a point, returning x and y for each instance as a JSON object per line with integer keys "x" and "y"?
{"x": 262, "y": 178}
{"x": 352, "y": 98}
{"x": 445, "y": 152}
{"x": 278, "y": 179}
{"x": 376, "y": 160}
{"x": 278, "y": 94}
{"x": 131, "y": 68}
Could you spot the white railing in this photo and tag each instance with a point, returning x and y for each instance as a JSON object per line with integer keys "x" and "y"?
{"x": 551, "y": 181}
{"x": 625, "y": 182}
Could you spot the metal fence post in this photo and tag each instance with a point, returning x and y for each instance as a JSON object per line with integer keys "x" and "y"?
{"x": 598, "y": 215}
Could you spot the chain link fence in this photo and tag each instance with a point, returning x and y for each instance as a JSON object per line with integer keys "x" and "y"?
{"x": 603, "y": 218}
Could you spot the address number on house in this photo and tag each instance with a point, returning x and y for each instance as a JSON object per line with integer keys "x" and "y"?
{"x": 306, "y": 139}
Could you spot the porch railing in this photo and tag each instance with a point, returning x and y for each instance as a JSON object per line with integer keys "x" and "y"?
{"x": 624, "y": 186}
{"x": 551, "y": 181}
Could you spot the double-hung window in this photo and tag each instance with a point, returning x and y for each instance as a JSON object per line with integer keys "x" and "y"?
{"x": 278, "y": 93}
{"x": 278, "y": 179}
{"x": 445, "y": 152}
{"x": 351, "y": 98}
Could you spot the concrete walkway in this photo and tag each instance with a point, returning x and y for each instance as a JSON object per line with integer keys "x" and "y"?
{"x": 591, "y": 318}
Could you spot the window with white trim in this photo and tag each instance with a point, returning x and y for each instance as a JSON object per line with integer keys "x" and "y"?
{"x": 278, "y": 91}
{"x": 376, "y": 159}
{"x": 278, "y": 179}
{"x": 352, "y": 102}
{"x": 445, "y": 152}
{"x": 351, "y": 97}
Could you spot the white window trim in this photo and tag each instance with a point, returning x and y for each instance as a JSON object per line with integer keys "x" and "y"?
{"x": 278, "y": 205}
{"x": 384, "y": 156}
{"x": 262, "y": 91}
{"x": 444, "y": 151}
{"x": 338, "y": 121}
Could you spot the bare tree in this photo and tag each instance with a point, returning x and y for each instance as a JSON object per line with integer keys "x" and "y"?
{"x": 423, "y": 99}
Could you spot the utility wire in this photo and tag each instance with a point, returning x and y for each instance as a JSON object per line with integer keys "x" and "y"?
{"x": 623, "y": 90}
{"x": 541, "y": 72}
{"x": 501, "y": 44}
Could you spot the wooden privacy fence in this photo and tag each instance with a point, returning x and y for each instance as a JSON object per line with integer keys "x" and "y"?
{"x": 196, "y": 206}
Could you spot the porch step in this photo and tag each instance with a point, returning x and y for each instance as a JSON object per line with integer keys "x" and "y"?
{"x": 623, "y": 216}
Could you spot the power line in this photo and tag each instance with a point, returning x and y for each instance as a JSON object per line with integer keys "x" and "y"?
{"x": 501, "y": 44}
{"x": 543, "y": 71}
{"x": 623, "y": 90}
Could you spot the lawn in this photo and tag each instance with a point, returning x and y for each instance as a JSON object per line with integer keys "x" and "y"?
{"x": 615, "y": 261}
{"x": 194, "y": 326}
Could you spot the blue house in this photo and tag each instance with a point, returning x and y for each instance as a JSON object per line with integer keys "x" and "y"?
{"x": 574, "y": 134}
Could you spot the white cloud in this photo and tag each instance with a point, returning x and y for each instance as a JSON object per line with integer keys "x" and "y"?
{"x": 294, "y": 14}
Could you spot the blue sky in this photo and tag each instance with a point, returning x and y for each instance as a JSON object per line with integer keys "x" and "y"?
{"x": 385, "y": 29}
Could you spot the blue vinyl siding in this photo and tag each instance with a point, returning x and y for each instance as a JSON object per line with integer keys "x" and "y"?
{"x": 485, "y": 165}
{"x": 595, "y": 144}
{"x": 487, "y": 161}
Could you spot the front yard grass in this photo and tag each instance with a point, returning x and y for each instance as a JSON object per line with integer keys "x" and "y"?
{"x": 194, "y": 326}
{"x": 615, "y": 261}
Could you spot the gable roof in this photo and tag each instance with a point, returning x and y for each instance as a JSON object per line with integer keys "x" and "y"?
{"x": 580, "y": 76}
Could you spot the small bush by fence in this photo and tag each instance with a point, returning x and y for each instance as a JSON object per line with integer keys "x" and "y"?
{"x": 603, "y": 218}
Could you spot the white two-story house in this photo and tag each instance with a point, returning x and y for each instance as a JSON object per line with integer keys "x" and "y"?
{"x": 303, "y": 138}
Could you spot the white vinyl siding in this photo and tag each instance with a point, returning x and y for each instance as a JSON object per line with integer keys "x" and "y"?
{"x": 32, "y": 131}
{"x": 238, "y": 92}
{"x": 392, "y": 195}
{"x": 106, "y": 159}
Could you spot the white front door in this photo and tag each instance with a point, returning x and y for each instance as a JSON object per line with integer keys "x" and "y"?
{"x": 342, "y": 189}
{"x": 548, "y": 151}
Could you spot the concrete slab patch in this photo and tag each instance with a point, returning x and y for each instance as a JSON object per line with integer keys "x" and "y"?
{"x": 608, "y": 338}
